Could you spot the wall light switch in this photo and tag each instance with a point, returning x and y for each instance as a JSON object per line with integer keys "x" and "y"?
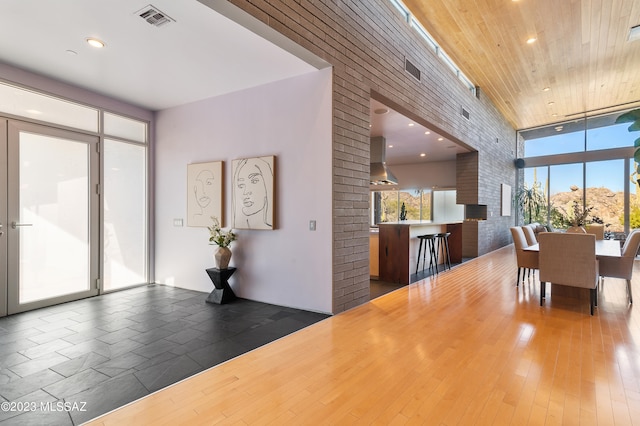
{"x": 177, "y": 222}
{"x": 312, "y": 225}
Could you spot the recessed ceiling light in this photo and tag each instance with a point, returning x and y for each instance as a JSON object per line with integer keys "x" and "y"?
{"x": 96, "y": 43}
{"x": 427, "y": 132}
{"x": 546, "y": 89}
{"x": 634, "y": 33}
{"x": 440, "y": 139}
{"x": 423, "y": 155}
{"x": 411, "y": 124}
{"x": 551, "y": 103}
{"x": 531, "y": 40}
{"x": 554, "y": 115}
{"x": 390, "y": 146}
{"x": 381, "y": 111}
{"x": 71, "y": 52}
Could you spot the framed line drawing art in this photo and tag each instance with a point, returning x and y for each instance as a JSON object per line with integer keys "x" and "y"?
{"x": 204, "y": 193}
{"x": 253, "y": 193}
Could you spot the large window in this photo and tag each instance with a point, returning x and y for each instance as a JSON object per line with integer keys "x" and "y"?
{"x": 588, "y": 161}
{"x": 420, "y": 205}
{"x": 386, "y": 206}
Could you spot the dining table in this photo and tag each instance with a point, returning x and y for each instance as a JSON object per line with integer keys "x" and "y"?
{"x": 604, "y": 248}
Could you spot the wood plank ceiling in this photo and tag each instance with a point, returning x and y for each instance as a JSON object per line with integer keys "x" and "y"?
{"x": 581, "y": 53}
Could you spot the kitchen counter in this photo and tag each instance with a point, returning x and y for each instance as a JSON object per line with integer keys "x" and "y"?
{"x": 398, "y": 247}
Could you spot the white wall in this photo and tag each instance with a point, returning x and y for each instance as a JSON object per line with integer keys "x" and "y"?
{"x": 291, "y": 119}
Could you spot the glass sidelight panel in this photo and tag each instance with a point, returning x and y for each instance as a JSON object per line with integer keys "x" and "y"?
{"x": 125, "y": 215}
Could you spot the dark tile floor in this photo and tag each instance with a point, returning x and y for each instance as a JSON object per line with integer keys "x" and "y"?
{"x": 97, "y": 354}
{"x": 379, "y": 288}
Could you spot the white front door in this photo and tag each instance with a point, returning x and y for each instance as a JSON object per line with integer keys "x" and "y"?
{"x": 51, "y": 228}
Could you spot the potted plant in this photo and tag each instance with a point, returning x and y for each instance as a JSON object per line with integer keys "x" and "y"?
{"x": 578, "y": 218}
{"x": 530, "y": 200}
{"x": 223, "y": 239}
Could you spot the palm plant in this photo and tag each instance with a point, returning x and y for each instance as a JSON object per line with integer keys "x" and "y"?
{"x": 531, "y": 200}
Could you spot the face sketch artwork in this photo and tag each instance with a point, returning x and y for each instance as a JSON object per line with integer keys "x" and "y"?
{"x": 204, "y": 193}
{"x": 203, "y": 188}
{"x": 253, "y": 198}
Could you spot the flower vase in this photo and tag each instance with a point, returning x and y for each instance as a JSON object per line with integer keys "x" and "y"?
{"x": 222, "y": 256}
{"x": 576, "y": 230}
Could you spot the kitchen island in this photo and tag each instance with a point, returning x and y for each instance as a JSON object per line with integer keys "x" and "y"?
{"x": 398, "y": 247}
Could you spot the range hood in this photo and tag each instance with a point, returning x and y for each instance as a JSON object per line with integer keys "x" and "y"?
{"x": 380, "y": 173}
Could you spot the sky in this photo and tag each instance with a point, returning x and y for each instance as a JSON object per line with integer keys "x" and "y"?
{"x": 608, "y": 174}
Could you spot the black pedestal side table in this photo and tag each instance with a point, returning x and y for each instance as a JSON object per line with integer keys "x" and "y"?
{"x": 222, "y": 293}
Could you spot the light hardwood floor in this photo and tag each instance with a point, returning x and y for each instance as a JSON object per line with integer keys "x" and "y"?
{"x": 464, "y": 347}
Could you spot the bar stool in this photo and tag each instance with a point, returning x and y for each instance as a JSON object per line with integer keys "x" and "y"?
{"x": 442, "y": 242}
{"x": 429, "y": 244}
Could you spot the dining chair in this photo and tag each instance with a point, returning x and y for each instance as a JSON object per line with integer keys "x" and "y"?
{"x": 622, "y": 267}
{"x": 570, "y": 260}
{"x": 596, "y": 229}
{"x": 527, "y": 260}
{"x": 530, "y": 234}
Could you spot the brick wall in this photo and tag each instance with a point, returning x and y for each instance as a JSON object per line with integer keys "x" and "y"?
{"x": 367, "y": 42}
{"x": 467, "y": 178}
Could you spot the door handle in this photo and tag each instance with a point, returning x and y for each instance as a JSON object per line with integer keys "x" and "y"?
{"x": 14, "y": 225}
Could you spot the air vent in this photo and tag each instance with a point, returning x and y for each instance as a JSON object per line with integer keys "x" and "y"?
{"x": 412, "y": 69}
{"x": 154, "y": 16}
{"x": 465, "y": 113}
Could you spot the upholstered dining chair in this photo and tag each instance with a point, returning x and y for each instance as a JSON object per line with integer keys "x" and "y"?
{"x": 596, "y": 229}
{"x": 530, "y": 234}
{"x": 568, "y": 259}
{"x": 527, "y": 260}
{"x": 622, "y": 267}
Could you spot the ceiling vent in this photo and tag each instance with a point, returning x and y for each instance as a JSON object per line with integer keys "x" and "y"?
{"x": 154, "y": 16}
{"x": 412, "y": 69}
{"x": 466, "y": 114}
